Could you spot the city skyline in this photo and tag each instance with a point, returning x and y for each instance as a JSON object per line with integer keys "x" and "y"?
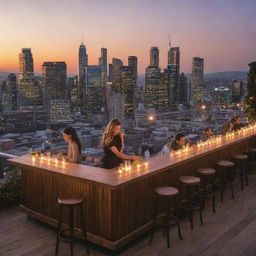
{"x": 192, "y": 27}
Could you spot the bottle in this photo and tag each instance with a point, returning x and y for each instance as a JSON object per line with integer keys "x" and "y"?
{"x": 33, "y": 152}
{"x": 147, "y": 154}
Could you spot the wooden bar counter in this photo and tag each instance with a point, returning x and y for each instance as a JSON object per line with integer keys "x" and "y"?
{"x": 119, "y": 206}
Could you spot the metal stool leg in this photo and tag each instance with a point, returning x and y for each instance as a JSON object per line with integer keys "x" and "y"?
{"x": 58, "y": 230}
{"x": 84, "y": 228}
{"x": 154, "y": 224}
{"x": 71, "y": 216}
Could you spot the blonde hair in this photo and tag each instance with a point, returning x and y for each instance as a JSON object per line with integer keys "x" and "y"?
{"x": 108, "y": 134}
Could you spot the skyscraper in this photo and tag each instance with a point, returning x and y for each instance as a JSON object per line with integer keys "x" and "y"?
{"x": 83, "y": 62}
{"x": 28, "y": 90}
{"x": 156, "y": 88}
{"x": 26, "y": 64}
{"x": 154, "y": 57}
{"x": 115, "y": 106}
{"x": 75, "y": 99}
{"x": 127, "y": 86}
{"x": 197, "y": 81}
{"x": 94, "y": 102}
{"x": 183, "y": 89}
{"x": 156, "y": 83}
{"x": 115, "y": 74}
{"x": 174, "y": 71}
{"x": 54, "y": 81}
{"x": 104, "y": 65}
{"x": 11, "y": 88}
{"x": 133, "y": 62}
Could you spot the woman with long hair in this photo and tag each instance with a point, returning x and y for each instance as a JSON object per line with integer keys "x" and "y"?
{"x": 113, "y": 144}
{"x": 74, "y": 145}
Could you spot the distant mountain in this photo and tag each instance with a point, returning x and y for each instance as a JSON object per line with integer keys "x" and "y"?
{"x": 228, "y": 74}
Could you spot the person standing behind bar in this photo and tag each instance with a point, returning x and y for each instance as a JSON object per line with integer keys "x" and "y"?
{"x": 113, "y": 144}
{"x": 179, "y": 142}
{"x": 74, "y": 145}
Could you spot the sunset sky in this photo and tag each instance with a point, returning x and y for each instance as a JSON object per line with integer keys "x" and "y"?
{"x": 223, "y": 32}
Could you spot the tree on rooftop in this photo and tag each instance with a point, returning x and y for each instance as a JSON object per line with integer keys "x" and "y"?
{"x": 250, "y": 99}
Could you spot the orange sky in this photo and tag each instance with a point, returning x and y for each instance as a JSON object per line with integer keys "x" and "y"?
{"x": 53, "y": 29}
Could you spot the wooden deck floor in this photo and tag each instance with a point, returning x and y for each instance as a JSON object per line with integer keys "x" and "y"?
{"x": 230, "y": 231}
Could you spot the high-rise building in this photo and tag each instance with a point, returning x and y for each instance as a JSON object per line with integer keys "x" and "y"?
{"x": 174, "y": 71}
{"x": 115, "y": 74}
{"x": 54, "y": 81}
{"x": 156, "y": 88}
{"x": 127, "y": 87}
{"x": 133, "y": 62}
{"x": 183, "y": 89}
{"x": 94, "y": 102}
{"x": 28, "y": 89}
{"x": 83, "y": 62}
{"x": 26, "y": 64}
{"x": 11, "y": 89}
{"x": 103, "y": 63}
{"x": 197, "y": 81}
{"x": 237, "y": 91}
{"x": 115, "y": 106}
{"x": 154, "y": 57}
{"x": 74, "y": 91}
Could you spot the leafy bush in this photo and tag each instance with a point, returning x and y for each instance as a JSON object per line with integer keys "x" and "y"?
{"x": 11, "y": 189}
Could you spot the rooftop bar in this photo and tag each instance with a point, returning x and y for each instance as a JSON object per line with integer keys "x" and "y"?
{"x": 120, "y": 202}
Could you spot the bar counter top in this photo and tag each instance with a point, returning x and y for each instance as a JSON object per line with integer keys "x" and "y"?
{"x": 115, "y": 178}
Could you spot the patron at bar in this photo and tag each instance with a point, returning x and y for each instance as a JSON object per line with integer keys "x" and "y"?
{"x": 237, "y": 125}
{"x": 207, "y": 134}
{"x": 179, "y": 142}
{"x": 74, "y": 145}
{"x": 113, "y": 144}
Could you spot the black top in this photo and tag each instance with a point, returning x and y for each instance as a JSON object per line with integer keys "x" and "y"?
{"x": 237, "y": 126}
{"x": 111, "y": 160}
{"x": 175, "y": 146}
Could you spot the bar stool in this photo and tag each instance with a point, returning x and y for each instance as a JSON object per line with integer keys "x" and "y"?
{"x": 227, "y": 176}
{"x": 240, "y": 161}
{"x": 62, "y": 234}
{"x": 207, "y": 176}
{"x": 170, "y": 194}
{"x": 193, "y": 199}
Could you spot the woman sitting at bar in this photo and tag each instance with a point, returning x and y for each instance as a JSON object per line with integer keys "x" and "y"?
{"x": 207, "y": 134}
{"x": 113, "y": 144}
{"x": 74, "y": 145}
{"x": 228, "y": 126}
{"x": 237, "y": 124}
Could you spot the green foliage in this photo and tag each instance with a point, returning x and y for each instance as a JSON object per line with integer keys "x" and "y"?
{"x": 250, "y": 99}
{"x": 11, "y": 189}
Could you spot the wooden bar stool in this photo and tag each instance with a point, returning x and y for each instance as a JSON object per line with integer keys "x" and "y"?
{"x": 67, "y": 234}
{"x": 227, "y": 176}
{"x": 192, "y": 186}
{"x": 207, "y": 176}
{"x": 240, "y": 161}
{"x": 170, "y": 194}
